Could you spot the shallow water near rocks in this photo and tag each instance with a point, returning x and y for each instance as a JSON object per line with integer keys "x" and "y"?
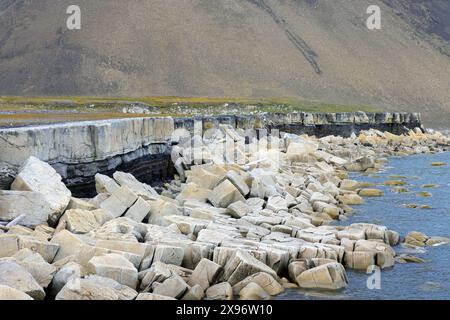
{"x": 429, "y": 280}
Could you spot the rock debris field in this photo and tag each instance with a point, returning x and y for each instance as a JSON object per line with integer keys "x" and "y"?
{"x": 218, "y": 231}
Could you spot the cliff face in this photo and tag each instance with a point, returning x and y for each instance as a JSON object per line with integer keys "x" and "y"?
{"x": 310, "y": 49}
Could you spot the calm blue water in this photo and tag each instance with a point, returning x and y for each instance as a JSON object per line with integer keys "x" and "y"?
{"x": 430, "y": 280}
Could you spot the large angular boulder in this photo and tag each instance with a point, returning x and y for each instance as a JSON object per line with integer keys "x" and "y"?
{"x": 195, "y": 292}
{"x": 128, "y": 180}
{"x": 12, "y": 274}
{"x": 76, "y": 203}
{"x": 158, "y": 272}
{"x": 9, "y": 293}
{"x": 33, "y": 205}
{"x": 116, "y": 267}
{"x": 239, "y": 209}
{"x": 263, "y": 280}
{"x": 220, "y": 291}
{"x": 119, "y": 201}
{"x": 80, "y": 221}
{"x": 9, "y": 245}
{"x": 205, "y": 274}
{"x": 45, "y": 248}
{"x": 105, "y": 184}
{"x": 204, "y": 178}
{"x": 174, "y": 287}
{"x": 139, "y": 210}
{"x": 241, "y": 265}
{"x": 41, "y": 270}
{"x": 331, "y": 276}
{"x": 239, "y": 182}
{"x": 169, "y": 254}
{"x": 360, "y": 260}
{"x": 69, "y": 244}
{"x": 159, "y": 208}
{"x": 96, "y": 288}
{"x": 38, "y": 176}
{"x": 296, "y": 268}
{"x": 192, "y": 191}
{"x": 225, "y": 194}
{"x": 70, "y": 272}
{"x": 253, "y": 291}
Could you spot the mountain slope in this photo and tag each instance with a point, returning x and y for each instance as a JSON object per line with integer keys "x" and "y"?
{"x": 311, "y": 49}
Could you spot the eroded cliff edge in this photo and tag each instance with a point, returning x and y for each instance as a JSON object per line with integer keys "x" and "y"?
{"x": 79, "y": 150}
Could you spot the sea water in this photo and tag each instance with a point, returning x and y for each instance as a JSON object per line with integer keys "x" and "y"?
{"x": 429, "y": 280}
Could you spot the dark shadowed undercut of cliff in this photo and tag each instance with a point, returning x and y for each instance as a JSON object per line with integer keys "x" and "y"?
{"x": 308, "y": 49}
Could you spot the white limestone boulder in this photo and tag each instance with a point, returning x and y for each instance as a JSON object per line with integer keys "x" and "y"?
{"x": 116, "y": 267}
{"x": 96, "y": 288}
{"x": 38, "y": 176}
{"x": 331, "y": 276}
{"x": 33, "y": 205}
{"x": 12, "y": 274}
{"x": 9, "y": 293}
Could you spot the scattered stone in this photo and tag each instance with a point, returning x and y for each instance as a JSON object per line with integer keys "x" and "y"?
{"x": 429, "y": 186}
{"x": 195, "y": 292}
{"x": 438, "y": 164}
{"x": 9, "y": 245}
{"x": 225, "y": 194}
{"x": 193, "y": 192}
{"x": 96, "y": 288}
{"x": 174, "y": 287}
{"x": 41, "y": 270}
{"x": 221, "y": 291}
{"x": 416, "y": 238}
{"x": 239, "y": 209}
{"x": 351, "y": 199}
{"x": 393, "y": 183}
{"x": 277, "y": 204}
{"x": 80, "y": 221}
{"x": 133, "y": 184}
{"x": 81, "y": 204}
{"x": 12, "y": 274}
{"x": 371, "y": 193}
{"x": 400, "y": 190}
{"x": 239, "y": 182}
{"x": 33, "y": 205}
{"x": 242, "y": 265}
{"x": 425, "y": 194}
{"x": 331, "y": 276}
{"x": 139, "y": 210}
{"x": 205, "y": 274}
{"x": 72, "y": 271}
{"x": 105, "y": 184}
{"x": 253, "y": 291}
{"x": 404, "y": 258}
{"x": 116, "y": 267}
{"x": 119, "y": 201}
{"x": 263, "y": 280}
{"x": 436, "y": 241}
{"x": 38, "y": 176}
{"x": 359, "y": 260}
{"x": 9, "y": 293}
